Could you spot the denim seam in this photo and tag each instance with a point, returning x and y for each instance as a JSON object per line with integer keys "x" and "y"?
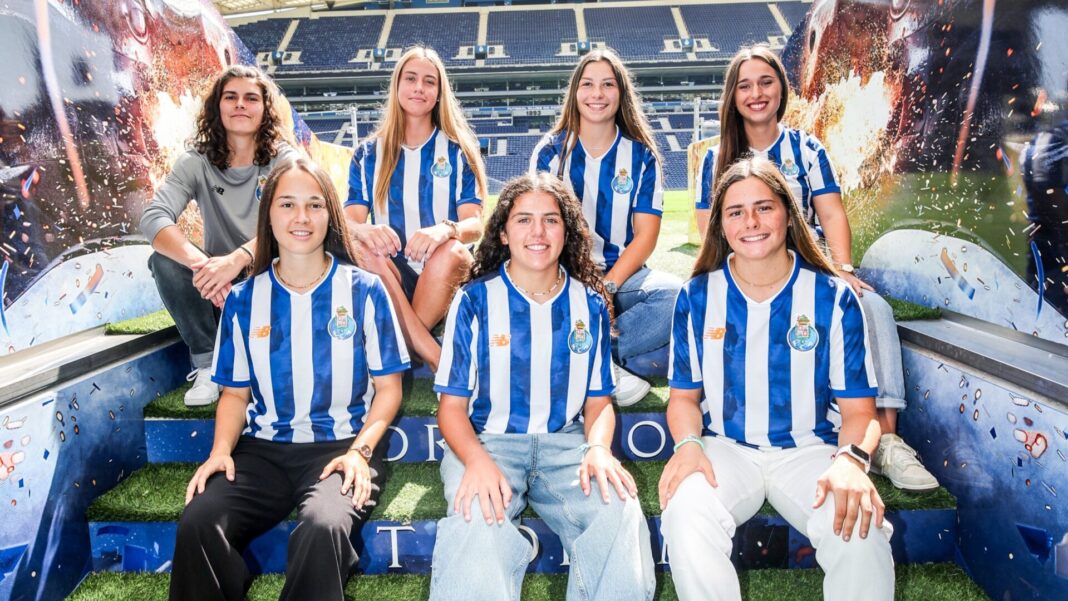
{"x": 575, "y": 570}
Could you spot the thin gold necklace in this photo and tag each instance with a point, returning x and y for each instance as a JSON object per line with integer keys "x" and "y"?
{"x": 559, "y": 278}
{"x": 738, "y": 275}
{"x": 278, "y": 272}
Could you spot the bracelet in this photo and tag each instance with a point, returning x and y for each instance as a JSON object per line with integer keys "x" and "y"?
{"x": 251, "y": 259}
{"x": 586, "y": 447}
{"x": 690, "y": 438}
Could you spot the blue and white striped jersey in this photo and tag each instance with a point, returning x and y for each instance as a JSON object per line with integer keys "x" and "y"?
{"x": 526, "y": 367}
{"x": 801, "y": 159}
{"x": 771, "y": 370}
{"x": 624, "y": 180}
{"x": 307, "y": 357}
{"x": 428, "y": 184}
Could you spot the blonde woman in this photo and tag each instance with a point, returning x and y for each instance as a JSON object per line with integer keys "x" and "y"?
{"x": 603, "y": 149}
{"x": 415, "y": 197}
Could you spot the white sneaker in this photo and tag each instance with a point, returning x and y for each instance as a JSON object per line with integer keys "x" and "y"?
{"x": 896, "y": 460}
{"x": 204, "y": 391}
{"x": 629, "y": 388}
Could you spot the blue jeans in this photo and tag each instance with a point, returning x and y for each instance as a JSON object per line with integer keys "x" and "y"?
{"x": 197, "y": 319}
{"x": 644, "y": 305}
{"x": 607, "y": 544}
{"x": 885, "y": 349}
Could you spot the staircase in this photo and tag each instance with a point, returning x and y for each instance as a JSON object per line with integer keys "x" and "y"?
{"x": 132, "y": 527}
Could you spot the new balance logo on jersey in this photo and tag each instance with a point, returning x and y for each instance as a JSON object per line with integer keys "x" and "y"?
{"x": 261, "y": 332}
{"x": 218, "y": 190}
{"x": 500, "y": 340}
{"x": 715, "y": 333}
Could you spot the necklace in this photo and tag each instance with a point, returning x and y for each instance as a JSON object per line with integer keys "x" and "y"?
{"x": 559, "y": 278}
{"x": 773, "y": 282}
{"x": 278, "y": 272}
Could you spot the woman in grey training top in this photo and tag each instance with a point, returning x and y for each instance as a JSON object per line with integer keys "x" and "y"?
{"x": 236, "y": 144}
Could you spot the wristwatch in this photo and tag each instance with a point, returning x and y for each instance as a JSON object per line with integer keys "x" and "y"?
{"x": 364, "y": 450}
{"x": 611, "y": 287}
{"x": 856, "y": 453}
{"x": 846, "y": 268}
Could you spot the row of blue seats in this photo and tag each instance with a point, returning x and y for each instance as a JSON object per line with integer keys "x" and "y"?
{"x": 528, "y": 37}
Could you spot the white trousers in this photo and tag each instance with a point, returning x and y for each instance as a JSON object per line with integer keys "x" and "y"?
{"x": 699, "y": 523}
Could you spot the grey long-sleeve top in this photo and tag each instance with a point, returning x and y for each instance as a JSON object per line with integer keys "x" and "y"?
{"x": 228, "y": 200}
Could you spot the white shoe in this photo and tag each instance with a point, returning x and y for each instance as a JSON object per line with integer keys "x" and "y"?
{"x": 204, "y": 391}
{"x": 896, "y": 460}
{"x": 629, "y": 388}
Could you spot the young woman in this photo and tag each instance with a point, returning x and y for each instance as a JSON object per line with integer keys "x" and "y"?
{"x": 603, "y": 149}
{"x": 764, "y": 339}
{"x": 236, "y": 145}
{"x": 754, "y": 100}
{"x": 415, "y": 197}
{"x": 525, "y": 357}
{"x": 300, "y": 420}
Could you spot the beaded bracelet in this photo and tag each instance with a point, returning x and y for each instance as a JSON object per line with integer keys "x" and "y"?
{"x": 690, "y": 438}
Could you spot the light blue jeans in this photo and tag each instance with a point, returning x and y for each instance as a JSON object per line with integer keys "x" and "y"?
{"x": 645, "y": 304}
{"x": 885, "y": 349}
{"x": 607, "y": 544}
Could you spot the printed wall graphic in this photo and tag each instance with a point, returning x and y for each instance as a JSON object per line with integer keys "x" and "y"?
{"x": 97, "y": 99}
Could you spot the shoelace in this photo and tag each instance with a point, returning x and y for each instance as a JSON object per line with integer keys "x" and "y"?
{"x": 192, "y": 375}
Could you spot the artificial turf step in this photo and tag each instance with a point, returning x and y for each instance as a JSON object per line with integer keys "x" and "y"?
{"x": 919, "y": 582}
{"x": 132, "y": 527}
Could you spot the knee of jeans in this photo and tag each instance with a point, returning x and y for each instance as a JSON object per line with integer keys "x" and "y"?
{"x": 695, "y": 510}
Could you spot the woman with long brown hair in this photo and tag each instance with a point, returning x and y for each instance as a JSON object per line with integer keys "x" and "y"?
{"x": 603, "y": 148}
{"x": 310, "y": 357}
{"x": 755, "y": 94}
{"x": 415, "y": 196}
{"x": 765, "y": 340}
{"x": 238, "y": 141}
{"x": 525, "y": 383}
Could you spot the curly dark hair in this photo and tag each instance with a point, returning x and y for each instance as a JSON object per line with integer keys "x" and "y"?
{"x": 210, "y": 137}
{"x": 577, "y": 252}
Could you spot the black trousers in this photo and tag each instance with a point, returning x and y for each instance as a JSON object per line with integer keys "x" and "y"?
{"x": 271, "y": 479}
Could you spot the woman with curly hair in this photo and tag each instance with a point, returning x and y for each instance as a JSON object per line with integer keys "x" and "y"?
{"x": 237, "y": 142}
{"x": 525, "y": 381}
{"x": 604, "y": 150}
{"x": 415, "y": 197}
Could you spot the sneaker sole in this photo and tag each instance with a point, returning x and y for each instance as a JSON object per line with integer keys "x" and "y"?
{"x": 633, "y": 400}
{"x": 903, "y": 486}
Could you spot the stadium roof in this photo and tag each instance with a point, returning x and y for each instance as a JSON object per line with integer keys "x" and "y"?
{"x": 245, "y": 7}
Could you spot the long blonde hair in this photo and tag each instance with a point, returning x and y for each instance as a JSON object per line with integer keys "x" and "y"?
{"x": 630, "y": 118}
{"x": 715, "y": 249}
{"x": 733, "y": 143}
{"x": 447, "y": 116}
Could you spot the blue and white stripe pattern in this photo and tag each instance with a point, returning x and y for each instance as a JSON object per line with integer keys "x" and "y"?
{"x": 762, "y": 387}
{"x": 624, "y": 180}
{"x": 800, "y": 158}
{"x": 527, "y": 367}
{"x": 427, "y": 186}
{"x": 308, "y": 357}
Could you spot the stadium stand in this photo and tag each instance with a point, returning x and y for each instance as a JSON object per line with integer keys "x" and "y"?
{"x": 262, "y": 36}
{"x": 636, "y": 33}
{"x": 531, "y": 37}
{"x": 445, "y": 32}
{"x": 730, "y": 26}
{"x": 330, "y": 43}
{"x": 793, "y": 12}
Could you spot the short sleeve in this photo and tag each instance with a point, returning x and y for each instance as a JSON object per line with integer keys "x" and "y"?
{"x": 650, "y": 196}
{"x": 818, "y": 166}
{"x": 229, "y": 366}
{"x": 542, "y": 155}
{"x": 852, "y": 372}
{"x": 706, "y": 174}
{"x": 602, "y": 380}
{"x": 467, "y": 192}
{"x": 684, "y": 369}
{"x": 456, "y": 370}
{"x": 383, "y": 343}
{"x": 359, "y": 190}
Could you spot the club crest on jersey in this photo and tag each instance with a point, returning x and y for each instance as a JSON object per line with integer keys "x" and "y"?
{"x": 622, "y": 182}
{"x": 580, "y": 339}
{"x": 789, "y": 168}
{"x": 260, "y": 182}
{"x": 341, "y": 326}
{"x": 441, "y": 168}
{"x": 803, "y": 336}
